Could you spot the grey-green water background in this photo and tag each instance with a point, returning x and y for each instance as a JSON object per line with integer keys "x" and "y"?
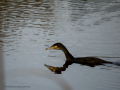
{"x": 85, "y": 27}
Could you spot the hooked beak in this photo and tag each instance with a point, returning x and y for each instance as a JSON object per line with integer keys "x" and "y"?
{"x": 50, "y": 48}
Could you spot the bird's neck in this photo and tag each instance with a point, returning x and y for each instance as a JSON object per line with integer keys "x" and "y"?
{"x": 67, "y": 54}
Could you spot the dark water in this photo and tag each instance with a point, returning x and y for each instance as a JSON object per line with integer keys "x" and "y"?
{"x": 85, "y": 27}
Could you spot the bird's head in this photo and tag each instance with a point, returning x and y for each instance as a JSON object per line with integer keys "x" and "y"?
{"x": 57, "y": 46}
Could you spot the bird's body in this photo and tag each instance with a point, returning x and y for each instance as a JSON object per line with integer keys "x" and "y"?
{"x": 89, "y": 61}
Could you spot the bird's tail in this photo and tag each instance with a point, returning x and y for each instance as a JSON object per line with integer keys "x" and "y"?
{"x": 116, "y": 63}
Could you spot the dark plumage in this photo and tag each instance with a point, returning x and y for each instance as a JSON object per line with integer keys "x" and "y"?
{"x": 89, "y": 61}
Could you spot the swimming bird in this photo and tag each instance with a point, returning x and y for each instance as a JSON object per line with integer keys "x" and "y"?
{"x": 89, "y": 61}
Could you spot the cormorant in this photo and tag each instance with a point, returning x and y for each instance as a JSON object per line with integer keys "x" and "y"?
{"x": 89, "y": 61}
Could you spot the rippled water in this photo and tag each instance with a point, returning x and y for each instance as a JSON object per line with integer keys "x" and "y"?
{"x": 85, "y": 27}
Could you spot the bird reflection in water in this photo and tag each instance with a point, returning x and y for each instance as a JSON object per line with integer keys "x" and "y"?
{"x": 58, "y": 70}
{"x": 89, "y": 61}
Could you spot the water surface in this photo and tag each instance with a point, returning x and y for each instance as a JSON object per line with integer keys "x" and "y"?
{"x": 85, "y": 27}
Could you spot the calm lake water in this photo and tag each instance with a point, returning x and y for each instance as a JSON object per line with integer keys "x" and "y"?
{"x": 85, "y": 27}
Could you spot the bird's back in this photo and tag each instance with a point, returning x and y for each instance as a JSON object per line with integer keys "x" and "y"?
{"x": 90, "y": 61}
